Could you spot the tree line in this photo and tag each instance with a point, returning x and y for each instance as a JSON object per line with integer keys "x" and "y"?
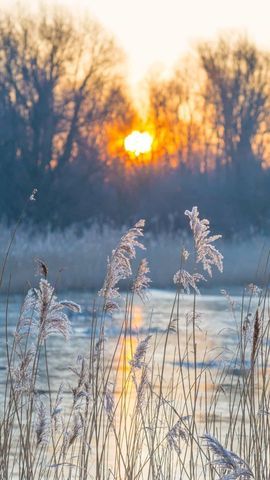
{"x": 65, "y": 109}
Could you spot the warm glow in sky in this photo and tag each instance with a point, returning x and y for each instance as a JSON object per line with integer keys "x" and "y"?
{"x": 159, "y": 31}
{"x": 138, "y": 142}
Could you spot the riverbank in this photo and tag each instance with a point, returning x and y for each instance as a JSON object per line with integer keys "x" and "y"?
{"x": 78, "y": 262}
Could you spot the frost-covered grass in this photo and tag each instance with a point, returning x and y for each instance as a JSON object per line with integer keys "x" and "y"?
{"x": 144, "y": 403}
{"x": 78, "y": 262}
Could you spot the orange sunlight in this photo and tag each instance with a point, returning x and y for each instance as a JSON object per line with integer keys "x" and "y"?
{"x": 138, "y": 143}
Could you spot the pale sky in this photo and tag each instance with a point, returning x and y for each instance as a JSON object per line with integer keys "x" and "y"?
{"x": 160, "y": 31}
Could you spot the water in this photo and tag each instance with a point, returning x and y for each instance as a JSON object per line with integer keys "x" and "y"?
{"x": 215, "y": 321}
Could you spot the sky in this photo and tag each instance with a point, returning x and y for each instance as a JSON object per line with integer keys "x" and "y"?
{"x": 158, "y": 32}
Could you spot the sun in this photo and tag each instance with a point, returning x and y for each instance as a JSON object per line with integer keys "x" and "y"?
{"x": 138, "y": 142}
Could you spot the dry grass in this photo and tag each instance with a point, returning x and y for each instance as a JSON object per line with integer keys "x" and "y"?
{"x": 162, "y": 405}
{"x": 81, "y": 259}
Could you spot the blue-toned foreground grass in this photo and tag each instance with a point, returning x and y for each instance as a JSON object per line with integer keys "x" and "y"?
{"x": 166, "y": 404}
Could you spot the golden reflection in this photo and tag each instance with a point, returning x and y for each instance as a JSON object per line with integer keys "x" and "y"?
{"x": 127, "y": 348}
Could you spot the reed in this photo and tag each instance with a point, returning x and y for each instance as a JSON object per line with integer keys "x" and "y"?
{"x": 140, "y": 404}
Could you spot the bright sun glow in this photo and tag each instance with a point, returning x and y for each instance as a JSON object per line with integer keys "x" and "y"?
{"x": 138, "y": 142}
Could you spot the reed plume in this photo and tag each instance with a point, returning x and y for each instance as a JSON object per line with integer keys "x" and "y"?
{"x": 142, "y": 281}
{"x": 21, "y": 374}
{"x": 142, "y": 388}
{"x": 77, "y": 429}
{"x": 175, "y": 435}
{"x": 206, "y": 253}
{"x": 185, "y": 280}
{"x": 43, "y": 423}
{"x": 231, "y": 464}
{"x": 43, "y": 315}
{"x": 137, "y": 360}
{"x": 119, "y": 266}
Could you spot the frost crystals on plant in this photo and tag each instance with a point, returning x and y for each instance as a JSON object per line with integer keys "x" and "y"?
{"x": 43, "y": 423}
{"x": 185, "y": 254}
{"x": 22, "y": 374}
{"x": 138, "y": 358}
{"x": 235, "y": 466}
{"x": 42, "y": 314}
{"x": 142, "y": 281}
{"x": 77, "y": 429}
{"x": 175, "y": 434}
{"x": 186, "y": 281}
{"x": 119, "y": 267}
{"x": 206, "y": 252}
{"x": 141, "y": 388}
{"x": 32, "y": 197}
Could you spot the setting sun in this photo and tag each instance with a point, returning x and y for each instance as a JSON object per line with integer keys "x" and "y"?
{"x": 138, "y": 142}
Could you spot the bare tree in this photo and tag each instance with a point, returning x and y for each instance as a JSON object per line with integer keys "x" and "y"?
{"x": 60, "y": 82}
{"x": 237, "y": 91}
{"x": 175, "y": 113}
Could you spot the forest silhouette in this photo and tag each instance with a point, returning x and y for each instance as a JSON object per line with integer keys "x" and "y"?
{"x": 66, "y": 108}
